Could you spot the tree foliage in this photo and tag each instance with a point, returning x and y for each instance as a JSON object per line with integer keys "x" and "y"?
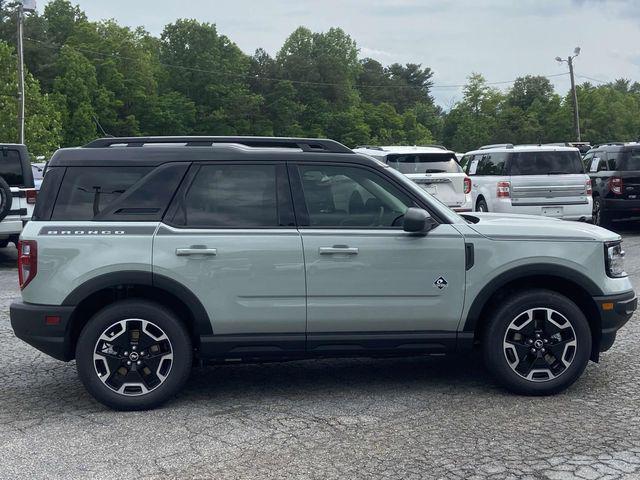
{"x": 86, "y": 78}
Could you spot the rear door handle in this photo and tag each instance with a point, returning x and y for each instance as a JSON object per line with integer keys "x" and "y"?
{"x": 183, "y": 252}
{"x": 338, "y": 249}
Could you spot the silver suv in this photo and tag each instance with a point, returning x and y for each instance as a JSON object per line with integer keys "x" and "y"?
{"x": 529, "y": 179}
{"x": 146, "y": 252}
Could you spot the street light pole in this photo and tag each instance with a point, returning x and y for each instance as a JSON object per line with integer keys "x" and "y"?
{"x": 20, "y": 77}
{"x": 574, "y": 93}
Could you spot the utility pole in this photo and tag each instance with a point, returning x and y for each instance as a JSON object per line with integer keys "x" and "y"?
{"x": 574, "y": 94}
{"x": 20, "y": 76}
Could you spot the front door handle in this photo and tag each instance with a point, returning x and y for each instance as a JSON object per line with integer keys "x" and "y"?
{"x": 195, "y": 250}
{"x": 338, "y": 249}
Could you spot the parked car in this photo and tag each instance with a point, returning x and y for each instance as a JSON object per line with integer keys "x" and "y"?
{"x": 251, "y": 249}
{"x": 433, "y": 167}
{"x": 17, "y": 193}
{"x": 614, "y": 169}
{"x": 529, "y": 179}
{"x": 38, "y": 173}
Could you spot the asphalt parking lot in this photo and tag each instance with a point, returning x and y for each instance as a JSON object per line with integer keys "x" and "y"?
{"x": 399, "y": 418}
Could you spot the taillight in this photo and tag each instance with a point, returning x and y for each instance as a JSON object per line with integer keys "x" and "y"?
{"x": 615, "y": 185}
{"x": 588, "y": 187}
{"x": 504, "y": 189}
{"x": 467, "y": 185}
{"x": 27, "y": 261}
{"x": 32, "y": 195}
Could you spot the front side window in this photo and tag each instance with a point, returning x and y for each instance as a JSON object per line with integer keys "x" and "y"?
{"x": 231, "y": 196}
{"x": 337, "y": 196}
{"x": 11, "y": 167}
{"x": 492, "y": 164}
{"x": 87, "y": 191}
{"x": 425, "y": 163}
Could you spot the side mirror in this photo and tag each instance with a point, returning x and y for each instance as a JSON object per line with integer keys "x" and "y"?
{"x": 417, "y": 220}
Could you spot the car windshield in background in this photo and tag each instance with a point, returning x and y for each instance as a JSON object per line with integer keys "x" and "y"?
{"x": 631, "y": 161}
{"x": 546, "y": 163}
{"x": 425, "y": 163}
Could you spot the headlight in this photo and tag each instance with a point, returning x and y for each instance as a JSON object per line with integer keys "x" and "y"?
{"x": 614, "y": 259}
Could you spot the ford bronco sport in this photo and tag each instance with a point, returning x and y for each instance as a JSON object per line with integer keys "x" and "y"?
{"x": 17, "y": 192}
{"x": 146, "y": 252}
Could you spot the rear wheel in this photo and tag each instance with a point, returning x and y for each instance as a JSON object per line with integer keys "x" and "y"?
{"x": 537, "y": 343}
{"x": 134, "y": 355}
{"x": 481, "y": 206}
{"x": 600, "y": 216}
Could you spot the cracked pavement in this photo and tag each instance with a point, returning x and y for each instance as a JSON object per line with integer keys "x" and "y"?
{"x": 410, "y": 418}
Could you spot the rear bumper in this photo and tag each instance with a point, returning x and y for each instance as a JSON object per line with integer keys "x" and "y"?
{"x": 622, "y": 205}
{"x": 580, "y": 212}
{"x": 29, "y": 323}
{"x": 10, "y": 227}
{"x": 615, "y": 311}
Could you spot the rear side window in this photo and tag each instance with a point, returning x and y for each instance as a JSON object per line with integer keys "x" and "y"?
{"x": 235, "y": 196}
{"x": 87, "y": 191}
{"x": 546, "y": 163}
{"x": 492, "y": 164}
{"x": 11, "y": 167}
{"x": 425, "y": 163}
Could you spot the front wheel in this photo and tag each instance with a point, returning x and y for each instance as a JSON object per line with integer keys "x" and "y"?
{"x": 537, "y": 343}
{"x": 133, "y": 355}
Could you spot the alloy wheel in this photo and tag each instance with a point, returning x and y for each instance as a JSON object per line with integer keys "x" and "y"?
{"x": 133, "y": 357}
{"x": 540, "y": 344}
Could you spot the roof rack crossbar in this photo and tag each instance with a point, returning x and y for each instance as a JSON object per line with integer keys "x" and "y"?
{"x": 319, "y": 145}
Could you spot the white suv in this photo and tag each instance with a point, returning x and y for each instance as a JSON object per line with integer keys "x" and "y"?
{"x": 433, "y": 167}
{"x": 529, "y": 179}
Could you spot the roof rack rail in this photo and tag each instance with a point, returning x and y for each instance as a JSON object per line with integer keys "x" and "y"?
{"x": 433, "y": 145}
{"x": 371, "y": 147}
{"x": 319, "y": 145}
{"x": 496, "y": 145}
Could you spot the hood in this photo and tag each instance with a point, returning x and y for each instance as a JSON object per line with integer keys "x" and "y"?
{"x": 506, "y": 226}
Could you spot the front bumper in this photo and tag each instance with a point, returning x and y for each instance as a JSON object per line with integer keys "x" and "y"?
{"x": 615, "y": 311}
{"x": 45, "y": 327}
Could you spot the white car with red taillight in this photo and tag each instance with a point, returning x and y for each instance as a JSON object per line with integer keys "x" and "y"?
{"x": 529, "y": 179}
{"x": 433, "y": 167}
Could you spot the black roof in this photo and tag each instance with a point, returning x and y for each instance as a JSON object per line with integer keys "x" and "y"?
{"x": 153, "y": 151}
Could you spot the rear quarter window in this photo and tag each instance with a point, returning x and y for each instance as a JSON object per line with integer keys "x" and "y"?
{"x": 85, "y": 192}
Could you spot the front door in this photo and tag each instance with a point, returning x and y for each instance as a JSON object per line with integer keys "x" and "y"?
{"x": 369, "y": 283}
{"x": 230, "y": 238}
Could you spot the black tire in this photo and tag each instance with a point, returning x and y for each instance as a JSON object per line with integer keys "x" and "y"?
{"x": 481, "y": 205}
{"x": 6, "y": 199}
{"x": 559, "y": 376}
{"x": 600, "y": 217}
{"x": 177, "y": 368}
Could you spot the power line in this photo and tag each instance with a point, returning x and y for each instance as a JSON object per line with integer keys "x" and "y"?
{"x": 256, "y": 77}
{"x": 591, "y": 78}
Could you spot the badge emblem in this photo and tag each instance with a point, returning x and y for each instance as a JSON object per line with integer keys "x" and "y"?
{"x": 440, "y": 282}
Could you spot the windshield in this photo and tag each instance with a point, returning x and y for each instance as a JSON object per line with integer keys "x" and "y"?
{"x": 631, "y": 161}
{"x": 546, "y": 163}
{"x": 424, "y": 163}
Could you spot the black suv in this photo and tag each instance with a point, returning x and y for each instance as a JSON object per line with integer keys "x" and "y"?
{"x": 17, "y": 192}
{"x": 614, "y": 169}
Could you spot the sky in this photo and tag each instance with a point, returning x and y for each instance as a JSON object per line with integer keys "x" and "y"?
{"x": 501, "y": 39}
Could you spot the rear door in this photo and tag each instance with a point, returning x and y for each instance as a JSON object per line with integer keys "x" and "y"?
{"x": 546, "y": 177}
{"x": 230, "y": 238}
